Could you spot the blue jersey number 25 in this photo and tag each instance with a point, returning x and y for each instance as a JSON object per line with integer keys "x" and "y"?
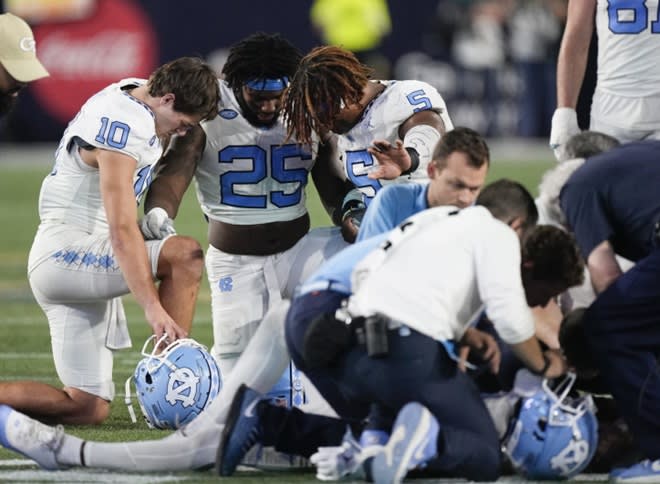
{"x": 630, "y": 17}
{"x": 258, "y": 157}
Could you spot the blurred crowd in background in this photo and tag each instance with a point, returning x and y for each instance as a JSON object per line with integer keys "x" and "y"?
{"x": 493, "y": 61}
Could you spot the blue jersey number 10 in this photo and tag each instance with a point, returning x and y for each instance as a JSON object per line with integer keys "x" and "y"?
{"x": 115, "y": 135}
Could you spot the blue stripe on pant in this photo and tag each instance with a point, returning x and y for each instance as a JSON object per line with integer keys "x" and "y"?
{"x": 417, "y": 368}
{"x": 302, "y": 311}
{"x": 623, "y": 331}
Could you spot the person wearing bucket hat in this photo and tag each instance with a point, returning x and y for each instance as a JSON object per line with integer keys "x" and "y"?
{"x": 18, "y": 59}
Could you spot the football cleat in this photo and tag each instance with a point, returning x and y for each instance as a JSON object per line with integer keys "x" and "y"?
{"x": 242, "y": 430}
{"x": 645, "y": 471}
{"x": 30, "y": 438}
{"x": 412, "y": 443}
{"x": 371, "y": 437}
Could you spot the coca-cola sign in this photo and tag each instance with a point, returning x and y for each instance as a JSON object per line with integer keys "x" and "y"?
{"x": 83, "y": 57}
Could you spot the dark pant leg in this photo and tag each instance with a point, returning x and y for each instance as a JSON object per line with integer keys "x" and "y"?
{"x": 292, "y": 431}
{"x": 417, "y": 369}
{"x": 302, "y": 311}
{"x": 623, "y": 331}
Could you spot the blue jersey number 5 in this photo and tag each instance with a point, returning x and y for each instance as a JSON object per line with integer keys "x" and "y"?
{"x": 357, "y": 164}
{"x": 420, "y": 99}
{"x": 630, "y": 17}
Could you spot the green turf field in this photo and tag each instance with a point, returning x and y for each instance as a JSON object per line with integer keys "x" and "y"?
{"x": 25, "y": 346}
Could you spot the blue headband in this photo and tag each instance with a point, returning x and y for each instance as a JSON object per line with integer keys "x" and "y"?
{"x": 268, "y": 84}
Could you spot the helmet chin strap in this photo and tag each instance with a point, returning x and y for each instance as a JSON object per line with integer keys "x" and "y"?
{"x": 127, "y": 399}
{"x": 127, "y": 385}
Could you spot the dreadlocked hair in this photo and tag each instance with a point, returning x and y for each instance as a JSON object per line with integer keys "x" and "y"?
{"x": 327, "y": 77}
{"x": 260, "y": 56}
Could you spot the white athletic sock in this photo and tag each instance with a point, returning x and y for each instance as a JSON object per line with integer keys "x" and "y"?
{"x": 70, "y": 451}
{"x": 193, "y": 447}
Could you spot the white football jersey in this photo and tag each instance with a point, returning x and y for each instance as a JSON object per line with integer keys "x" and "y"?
{"x": 111, "y": 120}
{"x": 247, "y": 174}
{"x": 381, "y": 120}
{"x": 628, "y": 43}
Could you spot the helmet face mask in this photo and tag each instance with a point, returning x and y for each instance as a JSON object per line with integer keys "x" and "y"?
{"x": 176, "y": 384}
{"x": 555, "y": 435}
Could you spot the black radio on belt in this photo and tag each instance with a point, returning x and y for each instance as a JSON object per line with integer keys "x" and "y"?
{"x": 375, "y": 336}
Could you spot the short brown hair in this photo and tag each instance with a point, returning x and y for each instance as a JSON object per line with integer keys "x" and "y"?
{"x": 466, "y": 141}
{"x": 508, "y": 199}
{"x": 192, "y": 81}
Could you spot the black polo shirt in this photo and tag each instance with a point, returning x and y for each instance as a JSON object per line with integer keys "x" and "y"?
{"x": 615, "y": 196}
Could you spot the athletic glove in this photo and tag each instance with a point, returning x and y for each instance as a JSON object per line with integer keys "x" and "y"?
{"x": 564, "y": 125}
{"x": 349, "y": 216}
{"x": 156, "y": 224}
{"x": 336, "y": 463}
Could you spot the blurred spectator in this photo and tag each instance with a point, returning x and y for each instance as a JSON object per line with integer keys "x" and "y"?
{"x": 356, "y": 25}
{"x": 481, "y": 47}
{"x": 451, "y": 16}
{"x": 481, "y": 43}
{"x": 18, "y": 60}
{"x": 535, "y": 33}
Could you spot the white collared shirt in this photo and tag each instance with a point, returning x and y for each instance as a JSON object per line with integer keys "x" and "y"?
{"x": 435, "y": 273}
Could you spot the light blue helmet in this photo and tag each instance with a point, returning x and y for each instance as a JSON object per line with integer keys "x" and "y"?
{"x": 555, "y": 435}
{"x": 175, "y": 385}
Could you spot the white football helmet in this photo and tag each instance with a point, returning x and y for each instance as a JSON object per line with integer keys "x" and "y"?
{"x": 175, "y": 385}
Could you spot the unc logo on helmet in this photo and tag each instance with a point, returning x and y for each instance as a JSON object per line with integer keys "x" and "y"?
{"x": 555, "y": 435}
{"x": 182, "y": 387}
{"x": 175, "y": 385}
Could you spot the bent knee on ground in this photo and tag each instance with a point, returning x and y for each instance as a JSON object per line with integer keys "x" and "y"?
{"x": 85, "y": 408}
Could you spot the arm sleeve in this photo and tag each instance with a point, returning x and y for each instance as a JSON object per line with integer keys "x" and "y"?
{"x": 497, "y": 262}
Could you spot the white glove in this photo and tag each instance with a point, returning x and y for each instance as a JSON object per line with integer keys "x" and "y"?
{"x": 335, "y": 463}
{"x": 564, "y": 126}
{"x": 156, "y": 224}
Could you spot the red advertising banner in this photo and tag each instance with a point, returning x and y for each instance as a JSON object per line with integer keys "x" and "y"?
{"x": 115, "y": 42}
